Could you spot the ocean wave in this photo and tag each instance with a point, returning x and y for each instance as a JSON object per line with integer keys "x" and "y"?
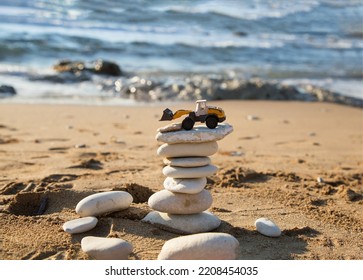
{"x": 240, "y": 44}
{"x": 312, "y": 37}
{"x": 249, "y": 10}
{"x": 82, "y": 41}
{"x": 339, "y": 3}
{"x": 104, "y": 38}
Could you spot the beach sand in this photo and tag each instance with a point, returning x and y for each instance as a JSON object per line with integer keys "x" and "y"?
{"x": 52, "y": 156}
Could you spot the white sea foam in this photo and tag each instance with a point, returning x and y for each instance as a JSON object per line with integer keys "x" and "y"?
{"x": 250, "y": 10}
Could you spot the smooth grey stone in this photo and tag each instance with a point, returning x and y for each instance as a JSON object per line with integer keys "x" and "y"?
{"x": 101, "y": 248}
{"x": 187, "y": 161}
{"x": 100, "y": 203}
{"x": 198, "y": 134}
{"x": 188, "y": 149}
{"x": 189, "y": 172}
{"x": 200, "y": 246}
{"x": 267, "y": 227}
{"x": 188, "y": 185}
{"x": 193, "y": 223}
{"x": 180, "y": 203}
{"x": 80, "y": 225}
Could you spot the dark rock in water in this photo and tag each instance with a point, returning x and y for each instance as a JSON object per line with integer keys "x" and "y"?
{"x": 240, "y": 33}
{"x": 6, "y": 90}
{"x": 106, "y": 68}
{"x": 356, "y": 34}
{"x": 99, "y": 66}
{"x": 69, "y": 66}
{"x": 78, "y": 71}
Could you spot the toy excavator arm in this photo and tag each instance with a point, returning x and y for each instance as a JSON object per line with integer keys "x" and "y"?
{"x": 168, "y": 114}
{"x": 180, "y": 113}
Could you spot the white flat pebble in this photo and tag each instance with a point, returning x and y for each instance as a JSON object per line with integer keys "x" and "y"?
{"x": 252, "y": 118}
{"x": 188, "y": 149}
{"x": 198, "y": 134}
{"x": 191, "y": 186}
{"x": 180, "y": 203}
{"x": 101, "y": 248}
{"x": 100, "y": 203}
{"x": 193, "y": 223}
{"x": 267, "y": 227}
{"x": 200, "y": 246}
{"x": 80, "y": 225}
{"x": 187, "y": 161}
{"x": 189, "y": 172}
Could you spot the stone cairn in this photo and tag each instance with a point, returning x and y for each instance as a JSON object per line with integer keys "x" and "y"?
{"x": 182, "y": 206}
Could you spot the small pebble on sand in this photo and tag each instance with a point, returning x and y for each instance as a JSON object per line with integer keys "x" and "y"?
{"x": 252, "y": 118}
{"x": 80, "y": 225}
{"x": 320, "y": 180}
{"x": 267, "y": 227}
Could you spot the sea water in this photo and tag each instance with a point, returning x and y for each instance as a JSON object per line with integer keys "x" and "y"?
{"x": 294, "y": 41}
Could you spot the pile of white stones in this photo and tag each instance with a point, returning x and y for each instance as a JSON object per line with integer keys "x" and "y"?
{"x": 182, "y": 205}
{"x": 88, "y": 209}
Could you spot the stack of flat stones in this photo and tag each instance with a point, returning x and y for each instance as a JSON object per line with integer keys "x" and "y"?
{"x": 183, "y": 204}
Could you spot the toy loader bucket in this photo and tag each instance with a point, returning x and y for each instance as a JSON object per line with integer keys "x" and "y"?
{"x": 167, "y": 115}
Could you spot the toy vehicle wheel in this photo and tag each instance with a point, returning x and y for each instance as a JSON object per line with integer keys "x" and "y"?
{"x": 211, "y": 122}
{"x": 188, "y": 123}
